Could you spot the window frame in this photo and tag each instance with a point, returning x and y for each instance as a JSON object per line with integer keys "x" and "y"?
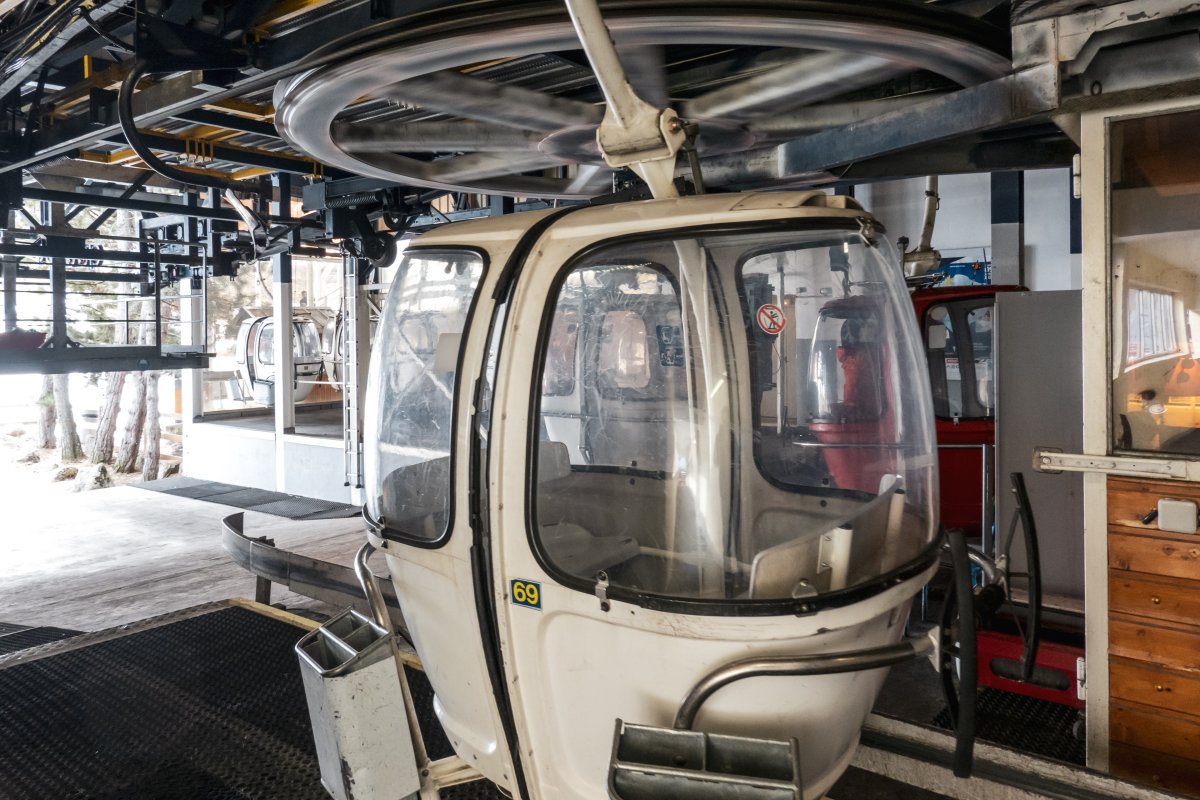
{"x": 382, "y": 529}
{"x": 959, "y": 309}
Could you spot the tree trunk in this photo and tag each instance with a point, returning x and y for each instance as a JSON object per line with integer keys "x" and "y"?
{"x": 47, "y": 414}
{"x": 106, "y": 425}
{"x": 126, "y": 460}
{"x": 69, "y": 448}
{"x": 153, "y": 433}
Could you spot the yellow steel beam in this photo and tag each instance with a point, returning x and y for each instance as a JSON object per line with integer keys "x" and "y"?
{"x": 246, "y": 109}
{"x": 285, "y": 10}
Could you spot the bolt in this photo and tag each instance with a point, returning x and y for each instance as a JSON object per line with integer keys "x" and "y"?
{"x": 675, "y": 125}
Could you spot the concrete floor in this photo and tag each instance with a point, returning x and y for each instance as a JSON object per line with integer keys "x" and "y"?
{"x": 110, "y": 557}
{"x": 113, "y": 556}
{"x": 324, "y": 421}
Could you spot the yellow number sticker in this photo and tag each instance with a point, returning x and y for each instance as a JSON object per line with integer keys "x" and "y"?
{"x": 526, "y": 593}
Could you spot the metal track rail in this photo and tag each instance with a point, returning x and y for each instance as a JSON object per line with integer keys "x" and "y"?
{"x": 922, "y": 756}
{"x": 327, "y": 582}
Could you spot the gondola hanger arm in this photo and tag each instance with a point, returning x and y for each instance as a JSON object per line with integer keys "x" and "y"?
{"x": 633, "y": 133}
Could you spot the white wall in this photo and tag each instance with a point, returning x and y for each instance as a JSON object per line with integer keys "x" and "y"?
{"x": 1049, "y": 264}
{"x": 964, "y": 221}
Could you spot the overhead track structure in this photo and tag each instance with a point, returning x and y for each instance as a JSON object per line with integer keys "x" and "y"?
{"x": 511, "y": 93}
{"x": 497, "y": 98}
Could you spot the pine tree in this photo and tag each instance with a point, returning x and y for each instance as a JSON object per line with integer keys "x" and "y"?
{"x": 69, "y": 447}
{"x": 153, "y": 434}
{"x": 47, "y": 414}
{"x": 106, "y": 424}
{"x": 127, "y": 453}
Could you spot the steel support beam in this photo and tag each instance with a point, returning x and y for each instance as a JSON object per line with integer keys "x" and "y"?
{"x": 230, "y": 122}
{"x": 1013, "y": 98}
{"x": 144, "y": 206}
{"x": 72, "y": 248}
{"x": 237, "y": 155}
{"x": 106, "y": 358}
{"x": 1008, "y": 228}
{"x": 52, "y": 214}
{"x": 8, "y": 266}
{"x": 32, "y": 273}
{"x": 285, "y": 369}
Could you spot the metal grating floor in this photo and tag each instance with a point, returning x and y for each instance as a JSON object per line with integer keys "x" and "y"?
{"x": 209, "y": 707}
{"x": 1025, "y": 723}
{"x": 261, "y": 500}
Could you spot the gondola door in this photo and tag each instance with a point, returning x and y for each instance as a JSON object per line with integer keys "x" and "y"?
{"x": 625, "y": 570}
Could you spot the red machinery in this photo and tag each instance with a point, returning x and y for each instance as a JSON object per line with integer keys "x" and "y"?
{"x": 956, "y": 326}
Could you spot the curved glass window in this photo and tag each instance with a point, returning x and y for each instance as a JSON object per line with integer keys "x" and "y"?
{"x": 266, "y": 345}
{"x": 410, "y": 392}
{"x": 749, "y": 420}
{"x": 307, "y": 346}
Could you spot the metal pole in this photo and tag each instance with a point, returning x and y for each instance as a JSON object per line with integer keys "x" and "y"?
{"x": 285, "y": 368}
{"x": 9, "y": 268}
{"x": 53, "y": 215}
{"x": 157, "y": 278}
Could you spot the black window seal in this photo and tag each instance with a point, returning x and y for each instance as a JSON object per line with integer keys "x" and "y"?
{"x": 380, "y": 527}
{"x": 697, "y": 607}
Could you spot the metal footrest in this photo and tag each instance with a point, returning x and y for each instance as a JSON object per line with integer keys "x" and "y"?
{"x": 356, "y": 703}
{"x": 650, "y": 763}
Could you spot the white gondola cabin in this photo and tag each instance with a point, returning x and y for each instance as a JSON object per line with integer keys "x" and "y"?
{"x": 614, "y": 449}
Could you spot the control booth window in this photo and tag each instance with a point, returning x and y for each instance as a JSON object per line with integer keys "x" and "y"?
{"x": 1155, "y": 284}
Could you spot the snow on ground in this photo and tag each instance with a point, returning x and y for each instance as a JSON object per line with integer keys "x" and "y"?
{"x": 28, "y": 490}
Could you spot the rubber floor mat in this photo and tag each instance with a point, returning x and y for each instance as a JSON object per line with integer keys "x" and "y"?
{"x": 25, "y": 638}
{"x": 209, "y": 707}
{"x": 1025, "y": 723}
{"x": 261, "y": 500}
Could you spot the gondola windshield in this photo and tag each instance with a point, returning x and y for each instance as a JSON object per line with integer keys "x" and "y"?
{"x": 411, "y": 386}
{"x": 732, "y": 417}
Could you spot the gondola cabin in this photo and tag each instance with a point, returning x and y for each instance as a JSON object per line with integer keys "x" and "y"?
{"x": 609, "y": 453}
{"x": 255, "y": 358}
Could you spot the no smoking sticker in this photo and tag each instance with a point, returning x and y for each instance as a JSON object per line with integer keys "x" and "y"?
{"x": 771, "y": 319}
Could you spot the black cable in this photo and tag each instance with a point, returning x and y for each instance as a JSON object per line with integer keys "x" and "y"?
{"x": 125, "y": 115}
{"x": 105, "y": 35}
{"x": 47, "y": 26}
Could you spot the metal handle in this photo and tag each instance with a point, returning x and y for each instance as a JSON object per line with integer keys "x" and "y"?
{"x": 820, "y": 664}
{"x": 366, "y": 579}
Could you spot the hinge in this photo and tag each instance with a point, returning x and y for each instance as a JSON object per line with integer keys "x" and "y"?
{"x": 1081, "y": 678}
{"x": 1076, "y": 177}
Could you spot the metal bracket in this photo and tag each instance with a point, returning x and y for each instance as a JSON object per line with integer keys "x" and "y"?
{"x": 1052, "y": 461}
{"x": 602, "y": 590}
{"x": 633, "y": 133}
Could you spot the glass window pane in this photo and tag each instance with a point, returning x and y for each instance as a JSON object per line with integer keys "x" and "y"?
{"x": 958, "y": 345}
{"x": 266, "y": 344}
{"x": 1155, "y": 287}
{"x": 410, "y": 413}
{"x": 983, "y": 396}
{"x": 737, "y": 401}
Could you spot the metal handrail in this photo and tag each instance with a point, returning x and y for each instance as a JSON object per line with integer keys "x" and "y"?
{"x": 366, "y": 579}
{"x": 820, "y": 664}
